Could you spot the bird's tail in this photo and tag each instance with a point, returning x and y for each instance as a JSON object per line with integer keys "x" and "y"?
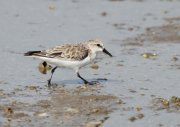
{"x": 31, "y": 53}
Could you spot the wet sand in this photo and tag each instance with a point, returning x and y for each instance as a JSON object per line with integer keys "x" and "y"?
{"x": 139, "y": 86}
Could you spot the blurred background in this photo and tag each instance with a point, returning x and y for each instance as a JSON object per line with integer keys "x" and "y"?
{"x": 142, "y": 35}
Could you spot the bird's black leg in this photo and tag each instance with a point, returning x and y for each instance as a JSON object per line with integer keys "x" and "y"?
{"x": 52, "y": 71}
{"x": 85, "y": 81}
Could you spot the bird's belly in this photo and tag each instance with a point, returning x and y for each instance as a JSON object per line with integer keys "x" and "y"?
{"x": 67, "y": 63}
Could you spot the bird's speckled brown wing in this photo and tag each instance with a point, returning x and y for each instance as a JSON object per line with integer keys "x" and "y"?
{"x": 67, "y": 51}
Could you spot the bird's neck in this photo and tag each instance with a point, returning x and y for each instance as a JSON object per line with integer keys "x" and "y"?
{"x": 92, "y": 55}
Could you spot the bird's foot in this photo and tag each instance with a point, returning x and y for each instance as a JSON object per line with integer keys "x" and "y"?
{"x": 90, "y": 83}
{"x": 49, "y": 83}
{"x": 87, "y": 83}
{"x": 52, "y": 85}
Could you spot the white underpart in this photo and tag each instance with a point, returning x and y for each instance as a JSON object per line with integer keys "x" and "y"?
{"x": 72, "y": 64}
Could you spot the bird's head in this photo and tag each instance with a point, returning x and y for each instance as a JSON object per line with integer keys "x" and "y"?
{"x": 97, "y": 46}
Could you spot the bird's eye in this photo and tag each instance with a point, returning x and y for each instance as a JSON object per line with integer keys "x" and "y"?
{"x": 99, "y": 45}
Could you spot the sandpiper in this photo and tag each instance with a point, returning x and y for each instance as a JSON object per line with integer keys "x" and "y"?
{"x": 73, "y": 56}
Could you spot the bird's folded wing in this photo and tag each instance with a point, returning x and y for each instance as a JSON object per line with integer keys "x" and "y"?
{"x": 67, "y": 52}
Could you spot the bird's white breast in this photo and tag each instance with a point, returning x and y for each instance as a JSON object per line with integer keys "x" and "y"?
{"x": 68, "y": 63}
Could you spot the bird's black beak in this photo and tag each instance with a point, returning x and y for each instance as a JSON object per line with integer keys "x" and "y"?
{"x": 105, "y": 51}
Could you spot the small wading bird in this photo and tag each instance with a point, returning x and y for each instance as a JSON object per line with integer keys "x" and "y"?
{"x": 73, "y": 56}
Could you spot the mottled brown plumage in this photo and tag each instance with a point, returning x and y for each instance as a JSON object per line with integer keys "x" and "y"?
{"x": 67, "y": 51}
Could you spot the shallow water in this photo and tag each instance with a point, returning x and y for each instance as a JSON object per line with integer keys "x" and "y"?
{"x": 34, "y": 25}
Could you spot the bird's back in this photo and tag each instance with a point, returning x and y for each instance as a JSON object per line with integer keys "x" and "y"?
{"x": 72, "y": 52}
